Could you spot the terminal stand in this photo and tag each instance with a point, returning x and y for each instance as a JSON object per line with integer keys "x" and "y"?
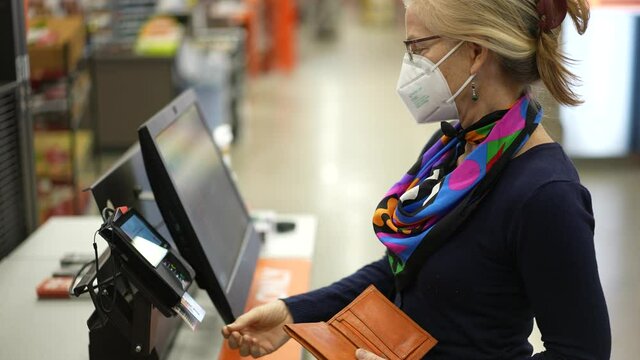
{"x": 130, "y": 327}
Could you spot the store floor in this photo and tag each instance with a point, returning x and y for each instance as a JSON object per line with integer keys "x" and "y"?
{"x": 330, "y": 138}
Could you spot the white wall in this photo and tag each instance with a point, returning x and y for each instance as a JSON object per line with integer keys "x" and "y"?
{"x": 600, "y": 127}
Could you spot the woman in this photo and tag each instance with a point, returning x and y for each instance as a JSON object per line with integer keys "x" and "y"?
{"x": 491, "y": 227}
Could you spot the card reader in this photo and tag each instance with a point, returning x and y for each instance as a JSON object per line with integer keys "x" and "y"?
{"x": 148, "y": 260}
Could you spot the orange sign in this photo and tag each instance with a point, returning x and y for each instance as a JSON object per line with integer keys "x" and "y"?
{"x": 275, "y": 279}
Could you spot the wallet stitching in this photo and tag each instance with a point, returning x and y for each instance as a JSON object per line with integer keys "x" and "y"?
{"x": 364, "y": 339}
{"x": 376, "y": 336}
{"x": 302, "y": 342}
{"x": 308, "y": 345}
{"x": 420, "y": 346}
{"x": 425, "y": 335}
{"x": 368, "y": 291}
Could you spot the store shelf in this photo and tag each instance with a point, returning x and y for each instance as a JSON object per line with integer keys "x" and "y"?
{"x": 62, "y": 141}
{"x": 54, "y": 156}
{"x": 56, "y": 98}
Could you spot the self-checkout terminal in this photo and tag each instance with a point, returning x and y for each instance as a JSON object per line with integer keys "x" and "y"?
{"x": 140, "y": 286}
{"x": 190, "y": 227}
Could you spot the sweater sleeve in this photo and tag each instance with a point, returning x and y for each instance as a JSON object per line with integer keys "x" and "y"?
{"x": 556, "y": 259}
{"x": 322, "y": 304}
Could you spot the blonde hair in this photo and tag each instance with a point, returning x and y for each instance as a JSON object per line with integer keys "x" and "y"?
{"x": 510, "y": 29}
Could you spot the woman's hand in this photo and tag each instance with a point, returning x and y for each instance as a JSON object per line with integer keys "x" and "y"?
{"x": 259, "y": 331}
{"x": 362, "y": 354}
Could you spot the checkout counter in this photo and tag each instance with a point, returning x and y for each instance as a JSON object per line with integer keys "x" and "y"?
{"x": 56, "y": 328}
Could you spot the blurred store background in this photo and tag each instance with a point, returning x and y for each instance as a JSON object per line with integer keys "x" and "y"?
{"x": 300, "y": 95}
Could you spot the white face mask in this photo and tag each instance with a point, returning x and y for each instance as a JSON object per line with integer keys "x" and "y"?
{"x": 425, "y": 91}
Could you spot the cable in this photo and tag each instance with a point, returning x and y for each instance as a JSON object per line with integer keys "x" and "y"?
{"x": 107, "y": 217}
{"x": 100, "y": 285}
{"x": 109, "y": 224}
{"x": 75, "y": 279}
{"x": 84, "y": 267}
{"x": 114, "y": 289}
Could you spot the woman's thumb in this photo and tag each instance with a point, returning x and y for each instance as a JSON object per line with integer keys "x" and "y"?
{"x": 241, "y": 322}
{"x": 362, "y": 354}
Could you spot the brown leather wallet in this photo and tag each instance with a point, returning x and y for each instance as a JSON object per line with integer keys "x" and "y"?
{"x": 370, "y": 322}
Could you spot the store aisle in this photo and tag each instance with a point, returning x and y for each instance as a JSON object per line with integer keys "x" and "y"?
{"x": 332, "y": 137}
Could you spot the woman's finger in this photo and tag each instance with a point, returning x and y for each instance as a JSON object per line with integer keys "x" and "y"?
{"x": 232, "y": 342}
{"x": 235, "y": 340}
{"x": 255, "y": 349}
{"x": 245, "y": 346}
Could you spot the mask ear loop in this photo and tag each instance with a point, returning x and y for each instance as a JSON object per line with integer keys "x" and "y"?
{"x": 466, "y": 83}
{"x": 447, "y": 55}
{"x": 464, "y": 86}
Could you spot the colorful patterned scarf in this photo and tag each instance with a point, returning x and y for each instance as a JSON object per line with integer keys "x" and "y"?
{"x": 421, "y": 211}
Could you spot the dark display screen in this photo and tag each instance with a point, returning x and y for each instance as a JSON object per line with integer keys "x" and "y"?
{"x": 202, "y": 183}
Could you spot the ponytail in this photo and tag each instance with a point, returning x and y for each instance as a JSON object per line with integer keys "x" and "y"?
{"x": 552, "y": 64}
{"x": 579, "y": 12}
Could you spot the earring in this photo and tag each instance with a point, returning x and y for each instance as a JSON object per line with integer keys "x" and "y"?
{"x": 474, "y": 91}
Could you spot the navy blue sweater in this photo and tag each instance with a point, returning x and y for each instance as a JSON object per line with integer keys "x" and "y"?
{"x": 526, "y": 251}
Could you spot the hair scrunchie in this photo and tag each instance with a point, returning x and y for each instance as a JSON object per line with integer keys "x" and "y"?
{"x": 552, "y": 13}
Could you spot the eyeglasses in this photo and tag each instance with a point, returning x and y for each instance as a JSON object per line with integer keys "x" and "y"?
{"x": 412, "y": 49}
